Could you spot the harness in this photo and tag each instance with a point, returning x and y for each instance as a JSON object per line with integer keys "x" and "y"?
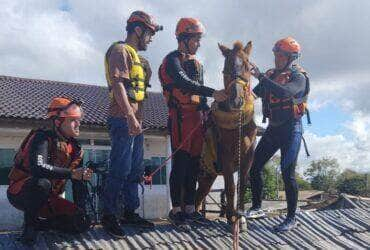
{"x": 59, "y": 154}
{"x": 136, "y": 88}
{"x": 177, "y": 100}
{"x": 230, "y": 119}
{"x": 297, "y": 106}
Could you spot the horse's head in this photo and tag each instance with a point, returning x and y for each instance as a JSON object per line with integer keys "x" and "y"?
{"x": 236, "y": 74}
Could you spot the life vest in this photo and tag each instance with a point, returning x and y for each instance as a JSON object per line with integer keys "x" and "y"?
{"x": 136, "y": 89}
{"x": 175, "y": 97}
{"x": 278, "y": 110}
{"x": 61, "y": 154}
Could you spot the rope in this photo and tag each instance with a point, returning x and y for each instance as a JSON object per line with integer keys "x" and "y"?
{"x": 236, "y": 229}
{"x": 148, "y": 180}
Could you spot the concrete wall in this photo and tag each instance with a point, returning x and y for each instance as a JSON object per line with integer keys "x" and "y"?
{"x": 155, "y": 202}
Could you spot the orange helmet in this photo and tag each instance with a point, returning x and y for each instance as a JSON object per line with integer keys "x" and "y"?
{"x": 62, "y": 107}
{"x": 188, "y": 25}
{"x": 288, "y": 46}
{"x": 146, "y": 19}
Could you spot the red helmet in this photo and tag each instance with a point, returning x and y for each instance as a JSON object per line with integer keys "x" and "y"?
{"x": 62, "y": 107}
{"x": 146, "y": 19}
{"x": 288, "y": 46}
{"x": 188, "y": 25}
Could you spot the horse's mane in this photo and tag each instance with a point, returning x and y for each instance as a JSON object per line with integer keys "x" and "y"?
{"x": 238, "y": 46}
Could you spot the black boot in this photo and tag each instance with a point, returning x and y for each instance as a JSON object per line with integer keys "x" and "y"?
{"x": 133, "y": 219}
{"x": 112, "y": 226}
{"x": 29, "y": 233}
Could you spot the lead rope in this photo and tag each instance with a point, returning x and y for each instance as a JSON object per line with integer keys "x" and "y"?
{"x": 236, "y": 228}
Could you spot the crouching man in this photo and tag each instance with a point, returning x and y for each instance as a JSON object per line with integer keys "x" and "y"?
{"x": 44, "y": 162}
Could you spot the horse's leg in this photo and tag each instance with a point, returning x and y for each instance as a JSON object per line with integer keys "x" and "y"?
{"x": 245, "y": 166}
{"x": 204, "y": 186}
{"x": 230, "y": 193}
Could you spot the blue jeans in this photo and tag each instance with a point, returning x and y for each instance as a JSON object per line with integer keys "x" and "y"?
{"x": 287, "y": 138}
{"x": 126, "y": 168}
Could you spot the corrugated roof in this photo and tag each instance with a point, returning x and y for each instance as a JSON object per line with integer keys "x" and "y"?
{"x": 331, "y": 229}
{"x": 24, "y": 98}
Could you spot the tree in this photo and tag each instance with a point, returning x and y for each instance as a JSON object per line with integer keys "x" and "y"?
{"x": 323, "y": 174}
{"x": 351, "y": 182}
{"x": 269, "y": 183}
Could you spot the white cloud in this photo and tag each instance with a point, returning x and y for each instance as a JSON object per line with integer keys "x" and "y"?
{"x": 38, "y": 39}
{"x": 346, "y": 151}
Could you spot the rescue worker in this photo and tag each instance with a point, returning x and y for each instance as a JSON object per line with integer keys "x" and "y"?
{"x": 127, "y": 77}
{"x": 284, "y": 92}
{"x": 42, "y": 165}
{"x": 181, "y": 76}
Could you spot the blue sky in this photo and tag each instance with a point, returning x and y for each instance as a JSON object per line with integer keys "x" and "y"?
{"x": 66, "y": 40}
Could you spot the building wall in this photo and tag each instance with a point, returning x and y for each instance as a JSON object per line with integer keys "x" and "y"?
{"x": 155, "y": 200}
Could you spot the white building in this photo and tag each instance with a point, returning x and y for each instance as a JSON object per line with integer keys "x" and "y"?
{"x": 23, "y": 105}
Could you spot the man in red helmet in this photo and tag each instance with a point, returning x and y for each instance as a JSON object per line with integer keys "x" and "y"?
{"x": 43, "y": 163}
{"x": 284, "y": 91}
{"x": 181, "y": 76}
{"x": 128, "y": 76}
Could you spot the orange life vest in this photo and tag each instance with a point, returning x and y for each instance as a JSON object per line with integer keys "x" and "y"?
{"x": 275, "y": 108}
{"x": 175, "y": 97}
{"x": 61, "y": 154}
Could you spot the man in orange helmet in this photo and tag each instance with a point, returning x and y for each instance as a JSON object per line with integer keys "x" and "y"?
{"x": 181, "y": 76}
{"x": 46, "y": 159}
{"x": 128, "y": 76}
{"x": 284, "y": 91}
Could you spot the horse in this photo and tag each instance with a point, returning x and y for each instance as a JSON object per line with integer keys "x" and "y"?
{"x": 231, "y": 132}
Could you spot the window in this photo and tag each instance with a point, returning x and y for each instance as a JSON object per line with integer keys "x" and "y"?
{"x": 6, "y": 162}
{"x": 151, "y": 165}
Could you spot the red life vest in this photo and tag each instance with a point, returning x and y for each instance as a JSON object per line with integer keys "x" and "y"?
{"x": 61, "y": 154}
{"x": 175, "y": 97}
{"x": 278, "y": 110}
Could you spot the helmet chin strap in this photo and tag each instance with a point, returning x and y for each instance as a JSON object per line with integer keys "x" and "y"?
{"x": 140, "y": 38}
{"x": 288, "y": 64}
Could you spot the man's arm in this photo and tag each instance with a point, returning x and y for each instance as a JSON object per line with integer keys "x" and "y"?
{"x": 290, "y": 89}
{"x": 119, "y": 73}
{"x": 182, "y": 80}
{"x": 38, "y": 160}
{"x": 259, "y": 90}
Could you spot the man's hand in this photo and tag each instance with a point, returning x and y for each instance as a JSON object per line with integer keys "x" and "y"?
{"x": 255, "y": 70}
{"x": 82, "y": 174}
{"x": 134, "y": 127}
{"x": 219, "y": 95}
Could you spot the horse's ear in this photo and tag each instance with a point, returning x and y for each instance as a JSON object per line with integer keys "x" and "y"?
{"x": 225, "y": 50}
{"x": 248, "y": 48}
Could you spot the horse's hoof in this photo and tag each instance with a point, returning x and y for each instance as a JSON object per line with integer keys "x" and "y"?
{"x": 243, "y": 226}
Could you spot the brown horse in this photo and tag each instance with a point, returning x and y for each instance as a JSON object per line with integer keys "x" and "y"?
{"x": 236, "y": 131}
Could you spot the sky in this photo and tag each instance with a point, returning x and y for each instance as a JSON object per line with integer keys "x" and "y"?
{"x": 66, "y": 41}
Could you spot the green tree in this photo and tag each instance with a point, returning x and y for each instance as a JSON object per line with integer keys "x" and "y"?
{"x": 323, "y": 174}
{"x": 302, "y": 183}
{"x": 269, "y": 183}
{"x": 351, "y": 182}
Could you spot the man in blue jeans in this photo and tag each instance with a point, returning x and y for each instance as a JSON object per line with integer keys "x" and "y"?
{"x": 128, "y": 76}
{"x": 284, "y": 92}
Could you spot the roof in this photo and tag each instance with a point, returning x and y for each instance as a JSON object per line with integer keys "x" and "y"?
{"x": 23, "y": 98}
{"x": 331, "y": 229}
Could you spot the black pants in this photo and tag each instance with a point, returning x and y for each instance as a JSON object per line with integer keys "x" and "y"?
{"x": 183, "y": 178}
{"x": 36, "y": 199}
{"x": 287, "y": 138}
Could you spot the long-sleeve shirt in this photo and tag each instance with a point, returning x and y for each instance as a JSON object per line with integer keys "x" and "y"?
{"x": 39, "y": 160}
{"x": 181, "y": 80}
{"x": 294, "y": 87}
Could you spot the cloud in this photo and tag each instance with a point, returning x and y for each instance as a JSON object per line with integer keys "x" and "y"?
{"x": 38, "y": 40}
{"x": 66, "y": 40}
{"x": 351, "y": 154}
